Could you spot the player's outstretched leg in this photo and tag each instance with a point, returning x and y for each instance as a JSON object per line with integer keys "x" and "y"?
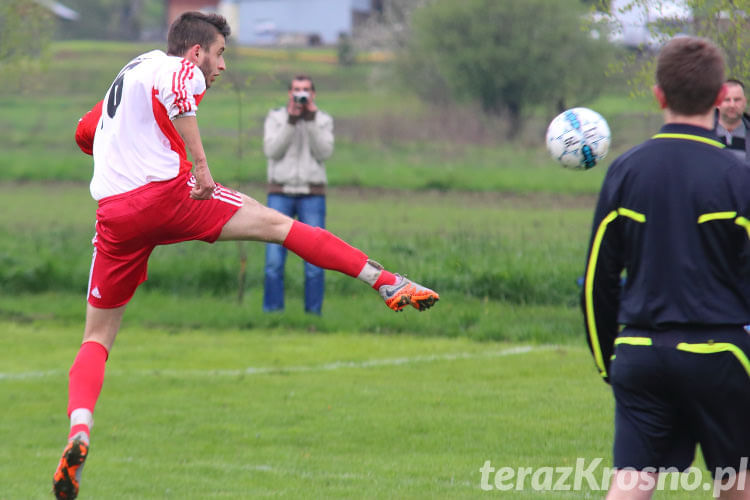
{"x": 319, "y": 247}
{"x": 67, "y": 477}
{"x": 324, "y": 249}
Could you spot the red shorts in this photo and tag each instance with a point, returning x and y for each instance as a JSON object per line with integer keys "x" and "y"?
{"x": 130, "y": 225}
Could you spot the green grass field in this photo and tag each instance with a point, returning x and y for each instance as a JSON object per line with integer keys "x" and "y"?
{"x": 248, "y": 414}
{"x": 207, "y": 397}
{"x": 490, "y": 257}
{"x": 273, "y": 413}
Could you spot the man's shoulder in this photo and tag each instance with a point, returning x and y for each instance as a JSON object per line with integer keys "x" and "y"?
{"x": 169, "y": 63}
{"x": 157, "y": 62}
{"x": 702, "y": 147}
{"x": 278, "y": 113}
{"x": 324, "y": 115}
{"x": 154, "y": 56}
{"x": 635, "y": 158}
{"x": 623, "y": 161}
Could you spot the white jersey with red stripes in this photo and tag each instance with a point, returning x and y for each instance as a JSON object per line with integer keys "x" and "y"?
{"x": 135, "y": 141}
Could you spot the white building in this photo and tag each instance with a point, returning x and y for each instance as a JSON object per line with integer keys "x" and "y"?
{"x": 297, "y": 22}
{"x": 640, "y": 24}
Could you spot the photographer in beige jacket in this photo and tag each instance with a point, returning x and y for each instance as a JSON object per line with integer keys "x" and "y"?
{"x": 297, "y": 139}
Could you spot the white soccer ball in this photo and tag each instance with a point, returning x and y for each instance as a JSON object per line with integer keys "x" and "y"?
{"x": 578, "y": 138}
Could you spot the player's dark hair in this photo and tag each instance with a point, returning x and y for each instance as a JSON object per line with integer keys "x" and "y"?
{"x": 302, "y": 77}
{"x": 690, "y": 71}
{"x": 195, "y": 28}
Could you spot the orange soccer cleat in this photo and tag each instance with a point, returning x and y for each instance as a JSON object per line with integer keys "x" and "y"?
{"x": 405, "y": 292}
{"x": 68, "y": 474}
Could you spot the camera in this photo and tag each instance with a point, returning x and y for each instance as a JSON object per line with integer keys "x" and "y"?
{"x": 301, "y": 97}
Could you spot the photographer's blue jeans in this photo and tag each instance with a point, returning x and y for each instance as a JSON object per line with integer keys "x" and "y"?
{"x": 310, "y": 210}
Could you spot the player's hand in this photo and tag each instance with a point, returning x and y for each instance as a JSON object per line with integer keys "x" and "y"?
{"x": 310, "y": 107}
{"x": 204, "y": 184}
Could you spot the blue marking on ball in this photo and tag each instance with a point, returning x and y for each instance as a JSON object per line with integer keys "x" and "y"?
{"x": 589, "y": 160}
{"x": 573, "y": 119}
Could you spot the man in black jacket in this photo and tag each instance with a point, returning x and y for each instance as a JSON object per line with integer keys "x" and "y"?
{"x": 674, "y": 215}
{"x": 731, "y": 122}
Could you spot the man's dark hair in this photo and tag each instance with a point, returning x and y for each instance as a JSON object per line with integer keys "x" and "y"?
{"x": 734, "y": 81}
{"x": 690, "y": 71}
{"x": 300, "y": 78}
{"x": 195, "y": 28}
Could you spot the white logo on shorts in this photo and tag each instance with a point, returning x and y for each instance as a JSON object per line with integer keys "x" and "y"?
{"x": 95, "y": 292}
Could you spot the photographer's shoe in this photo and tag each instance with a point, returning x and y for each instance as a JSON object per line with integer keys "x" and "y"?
{"x": 67, "y": 477}
{"x": 405, "y": 292}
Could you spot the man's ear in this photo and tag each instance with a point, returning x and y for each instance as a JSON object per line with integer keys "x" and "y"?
{"x": 660, "y": 97}
{"x": 193, "y": 53}
{"x": 721, "y": 95}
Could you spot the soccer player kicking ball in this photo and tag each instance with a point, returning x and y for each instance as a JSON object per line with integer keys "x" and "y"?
{"x": 139, "y": 136}
{"x": 674, "y": 214}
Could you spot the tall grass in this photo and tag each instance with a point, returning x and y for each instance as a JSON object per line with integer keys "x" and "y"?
{"x": 435, "y": 192}
{"x": 385, "y": 136}
{"x": 37, "y": 139}
{"x": 523, "y": 250}
{"x": 491, "y": 257}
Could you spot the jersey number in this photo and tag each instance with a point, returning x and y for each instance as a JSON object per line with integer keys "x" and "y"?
{"x": 115, "y": 96}
{"x": 115, "y": 91}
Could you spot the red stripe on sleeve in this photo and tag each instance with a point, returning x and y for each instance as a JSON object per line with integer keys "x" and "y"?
{"x": 179, "y": 88}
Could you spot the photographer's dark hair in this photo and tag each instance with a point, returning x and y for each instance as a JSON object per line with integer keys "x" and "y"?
{"x": 195, "y": 28}
{"x": 690, "y": 71}
{"x": 302, "y": 78}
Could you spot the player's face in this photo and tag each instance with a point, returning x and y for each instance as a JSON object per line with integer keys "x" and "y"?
{"x": 212, "y": 63}
{"x": 733, "y": 105}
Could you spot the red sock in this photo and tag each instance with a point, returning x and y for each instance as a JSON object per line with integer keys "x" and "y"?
{"x": 321, "y": 248}
{"x": 86, "y": 376}
{"x": 385, "y": 278}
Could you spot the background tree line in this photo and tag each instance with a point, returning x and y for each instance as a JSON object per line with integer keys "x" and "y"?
{"x": 507, "y": 58}
{"x": 510, "y": 58}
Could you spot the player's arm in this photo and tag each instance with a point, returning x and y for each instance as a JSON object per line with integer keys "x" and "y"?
{"x": 187, "y": 126}
{"x": 87, "y": 128}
